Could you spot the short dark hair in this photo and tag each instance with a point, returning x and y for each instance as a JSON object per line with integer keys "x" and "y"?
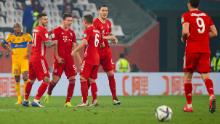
{"x": 17, "y": 25}
{"x": 41, "y": 15}
{"x": 194, "y": 3}
{"x": 88, "y": 18}
{"x": 66, "y": 15}
{"x": 122, "y": 55}
{"x": 102, "y": 6}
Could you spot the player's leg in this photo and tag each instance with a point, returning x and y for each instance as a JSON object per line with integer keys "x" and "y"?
{"x": 93, "y": 85}
{"x": 70, "y": 91}
{"x": 109, "y": 67}
{"x": 51, "y": 86}
{"x": 30, "y": 81}
{"x": 210, "y": 89}
{"x": 18, "y": 89}
{"x": 188, "y": 91}
{"x": 70, "y": 71}
{"x": 25, "y": 79}
{"x": 204, "y": 69}
{"x": 16, "y": 73}
{"x": 24, "y": 71}
{"x": 84, "y": 76}
{"x": 190, "y": 64}
{"x": 42, "y": 73}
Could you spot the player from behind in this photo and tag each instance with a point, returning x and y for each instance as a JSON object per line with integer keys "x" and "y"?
{"x": 65, "y": 41}
{"x": 103, "y": 24}
{"x": 38, "y": 67}
{"x": 90, "y": 64}
{"x": 17, "y": 42}
{"x": 197, "y": 29}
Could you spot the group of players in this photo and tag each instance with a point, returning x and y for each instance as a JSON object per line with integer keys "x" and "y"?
{"x": 197, "y": 29}
{"x": 95, "y": 43}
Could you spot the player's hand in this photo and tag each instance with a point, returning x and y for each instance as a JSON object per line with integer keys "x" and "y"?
{"x": 26, "y": 57}
{"x": 60, "y": 60}
{"x": 73, "y": 53}
{"x": 102, "y": 45}
{"x": 115, "y": 40}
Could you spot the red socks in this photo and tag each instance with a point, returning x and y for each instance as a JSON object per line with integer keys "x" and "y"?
{"x": 84, "y": 90}
{"x": 41, "y": 90}
{"x": 28, "y": 90}
{"x": 209, "y": 86}
{"x": 112, "y": 86}
{"x": 94, "y": 91}
{"x": 188, "y": 91}
{"x": 50, "y": 88}
{"x": 70, "y": 90}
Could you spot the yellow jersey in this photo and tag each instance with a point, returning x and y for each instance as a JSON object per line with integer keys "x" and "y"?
{"x": 19, "y": 44}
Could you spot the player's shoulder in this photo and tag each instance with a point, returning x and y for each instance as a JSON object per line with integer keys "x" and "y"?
{"x": 186, "y": 14}
{"x": 11, "y": 34}
{"x": 96, "y": 20}
{"x": 26, "y": 34}
{"x": 108, "y": 21}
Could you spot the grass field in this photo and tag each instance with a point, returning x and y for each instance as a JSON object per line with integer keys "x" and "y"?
{"x": 133, "y": 110}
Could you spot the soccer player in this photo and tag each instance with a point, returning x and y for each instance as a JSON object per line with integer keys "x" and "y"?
{"x": 103, "y": 24}
{"x": 66, "y": 41}
{"x": 197, "y": 29}
{"x": 17, "y": 43}
{"x": 38, "y": 67}
{"x": 90, "y": 64}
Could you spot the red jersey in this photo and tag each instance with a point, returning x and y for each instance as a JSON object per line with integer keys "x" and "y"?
{"x": 104, "y": 28}
{"x": 40, "y": 35}
{"x": 199, "y": 27}
{"x": 93, "y": 37}
{"x": 65, "y": 40}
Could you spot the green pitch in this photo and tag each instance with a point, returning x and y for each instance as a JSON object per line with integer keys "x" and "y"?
{"x": 133, "y": 110}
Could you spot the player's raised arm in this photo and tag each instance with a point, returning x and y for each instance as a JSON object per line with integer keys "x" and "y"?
{"x": 213, "y": 31}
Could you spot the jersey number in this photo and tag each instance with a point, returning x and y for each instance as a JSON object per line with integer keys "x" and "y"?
{"x": 96, "y": 40}
{"x": 201, "y": 25}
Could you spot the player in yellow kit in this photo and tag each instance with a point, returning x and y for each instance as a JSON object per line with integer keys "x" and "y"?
{"x": 17, "y": 42}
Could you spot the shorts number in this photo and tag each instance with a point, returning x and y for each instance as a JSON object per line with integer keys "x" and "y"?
{"x": 200, "y": 23}
{"x": 96, "y": 40}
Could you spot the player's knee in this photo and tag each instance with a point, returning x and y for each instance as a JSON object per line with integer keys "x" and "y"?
{"x": 25, "y": 76}
{"x": 55, "y": 79}
{"x": 47, "y": 79}
{"x": 17, "y": 78}
{"x": 92, "y": 80}
{"x": 110, "y": 73}
{"x": 31, "y": 81}
{"x": 82, "y": 79}
{"x": 71, "y": 78}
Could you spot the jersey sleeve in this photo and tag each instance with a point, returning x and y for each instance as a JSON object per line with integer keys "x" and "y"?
{"x": 28, "y": 37}
{"x": 9, "y": 38}
{"x": 110, "y": 27}
{"x": 74, "y": 37}
{"x": 185, "y": 18}
{"x": 86, "y": 36}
